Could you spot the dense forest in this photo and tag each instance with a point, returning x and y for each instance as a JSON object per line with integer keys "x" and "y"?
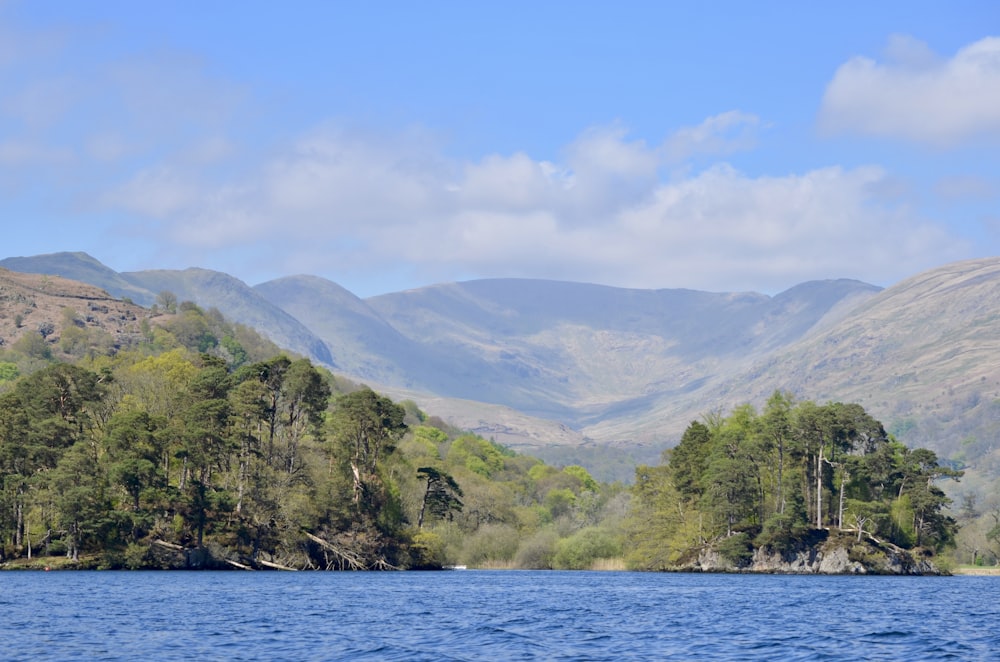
{"x": 772, "y": 479}
{"x": 198, "y": 444}
{"x": 193, "y": 442}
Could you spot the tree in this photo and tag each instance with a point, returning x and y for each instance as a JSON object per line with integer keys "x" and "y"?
{"x": 305, "y": 395}
{"x": 777, "y": 427}
{"x": 580, "y": 550}
{"x": 55, "y": 410}
{"x": 587, "y": 482}
{"x": 167, "y": 300}
{"x": 82, "y": 508}
{"x": 689, "y": 459}
{"x": 441, "y": 495}
{"x": 657, "y": 527}
{"x": 930, "y": 523}
{"x": 366, "y": 427}
{"x": 134, "y": 444}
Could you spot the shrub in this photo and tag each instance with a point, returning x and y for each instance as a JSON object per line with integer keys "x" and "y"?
{"x": 579, "y": 551}
{"x": 538, "y": 551}
{"x": 427, "y": 551}
{"x": 491, "y": 542}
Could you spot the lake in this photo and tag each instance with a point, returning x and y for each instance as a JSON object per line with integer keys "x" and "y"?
{"x": 493, "y": 615}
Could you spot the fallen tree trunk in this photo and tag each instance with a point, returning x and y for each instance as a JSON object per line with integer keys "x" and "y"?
{"x": 274, "y": 566}
{"x": 348, "y": 560}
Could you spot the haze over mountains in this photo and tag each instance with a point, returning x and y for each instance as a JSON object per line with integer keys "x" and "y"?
{"x": 542, "y": 364}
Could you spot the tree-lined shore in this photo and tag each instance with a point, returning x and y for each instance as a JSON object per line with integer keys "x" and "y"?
{"x": 198, "y": 444}
{"x": 192, "y": 442}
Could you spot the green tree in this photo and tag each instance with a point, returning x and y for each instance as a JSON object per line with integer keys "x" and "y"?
{"x": 8, "y": 371}
{"x": 441, "y": 495}
{"x": 83, "y": 510}
{"x": 768, "y": 479}
{"x": 587, "y": 482}
{"x": 134, "y": 443}
{"x": 580, "y": 550}
{"x": 689, "y": 459}
{"x": 920, "y": 469}
{"x": 366, "y": 428}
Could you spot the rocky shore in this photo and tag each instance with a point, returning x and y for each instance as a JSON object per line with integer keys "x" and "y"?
{"x": 825, "y": 553}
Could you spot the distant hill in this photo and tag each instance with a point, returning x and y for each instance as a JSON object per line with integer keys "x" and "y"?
{"x": 537, "y": 364}
{"x": 923, "y": 356}
{"x": 84, "y": 268}
{"x": 30, "y": 303}
{"x": 209, "y": 289}
{"x": 581, "y": 353}
{"x": 359, "y": 342}
{"x": 238, "y": 302}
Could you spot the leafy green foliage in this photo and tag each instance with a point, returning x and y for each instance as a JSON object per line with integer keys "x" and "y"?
{"x": 8, "y": 371}
{"x": 580, "y": 550}
{"x": 765, "y": 480}
{"x": 191, "y": 440}
{"x": 441, "y": 497}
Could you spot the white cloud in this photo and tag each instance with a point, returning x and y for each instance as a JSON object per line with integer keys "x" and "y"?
{"x": 910, "y": 53}
{"x": 916, "y": 96}
{"x": 161, "y": 193}
{"x": 510, "y": 183}
{"x": 163, "y": 136}
{"x": 351, "y": 204}
{"x": 718, "y": 135}
{"x": 335, "y": 179}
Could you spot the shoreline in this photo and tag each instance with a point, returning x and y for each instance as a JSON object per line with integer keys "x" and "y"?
{"x": 976, "y": 571}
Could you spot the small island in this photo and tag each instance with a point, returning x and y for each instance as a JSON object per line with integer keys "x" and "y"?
{"x": 798, "y": 488}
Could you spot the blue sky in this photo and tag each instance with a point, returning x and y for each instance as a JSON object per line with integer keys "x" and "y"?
{"x": 390, "y": 145}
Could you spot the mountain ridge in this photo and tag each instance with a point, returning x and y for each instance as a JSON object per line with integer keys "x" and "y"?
{"x": 585, "y": 365}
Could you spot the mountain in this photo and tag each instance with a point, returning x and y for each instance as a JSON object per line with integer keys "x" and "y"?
{"x": 571, "y": 352}
{"x": 238, "y": 302}
{"x": 923, "y": 356}
{"x": 209, "y": 289}
{"x": 359, "y": 342}
{"x": 581, "y": 367}
{"x": 581, "y": 353}
{"x": 84, "y": 268}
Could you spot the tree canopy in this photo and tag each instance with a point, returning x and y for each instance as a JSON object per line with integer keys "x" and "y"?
{"x": 766, "y": 479}
{"x": 198, "y": 440}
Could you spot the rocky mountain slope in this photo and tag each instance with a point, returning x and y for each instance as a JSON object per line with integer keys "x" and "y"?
{"x": 590, "y": 352}
{"x": 41, "y": 306}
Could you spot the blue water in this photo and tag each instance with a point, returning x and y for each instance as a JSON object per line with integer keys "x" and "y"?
{"x": 485, "y": 615}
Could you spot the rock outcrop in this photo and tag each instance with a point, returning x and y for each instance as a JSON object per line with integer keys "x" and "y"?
{"x": 823, "y": 554}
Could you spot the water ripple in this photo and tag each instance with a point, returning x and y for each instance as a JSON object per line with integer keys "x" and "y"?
{"x": 464, "y": 616}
